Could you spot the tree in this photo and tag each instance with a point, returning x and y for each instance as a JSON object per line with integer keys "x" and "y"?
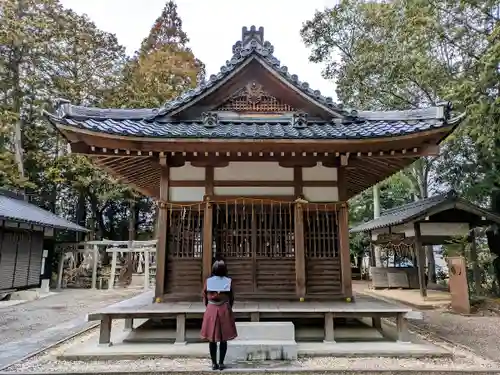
{"x": 395, "y": 191}
{"x": 163, "y": 68}
{"x": 407, "y": 55}
{"x": 27, "y": 30}
{"x": 166, "y": 30}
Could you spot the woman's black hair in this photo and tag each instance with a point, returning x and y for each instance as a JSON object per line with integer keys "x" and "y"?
{"x": 219, "y": 268}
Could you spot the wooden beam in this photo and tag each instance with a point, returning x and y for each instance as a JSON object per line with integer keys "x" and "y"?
{"x": 420, "y": 260}
{"x": 207, "y": 239}
{"x": 342, "y": 184}
{"x": 297, "y": 181}
{"x": 345, "y": 254}
{"x": 300, "y": 256}
{"x": 161, "y": 250}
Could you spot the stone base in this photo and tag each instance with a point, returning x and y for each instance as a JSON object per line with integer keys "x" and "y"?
{"x": 259, "y": 341}
{"x": 261, "y": 350}
{"x": 25, "y": 295}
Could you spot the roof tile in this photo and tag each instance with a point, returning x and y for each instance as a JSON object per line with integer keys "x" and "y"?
{"x": 22, "y": 211}
{"x": 258, "y": 130}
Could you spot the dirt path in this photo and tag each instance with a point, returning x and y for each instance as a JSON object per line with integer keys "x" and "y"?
{"x": 479, "y": 333}
{"x": 27, "y": 319}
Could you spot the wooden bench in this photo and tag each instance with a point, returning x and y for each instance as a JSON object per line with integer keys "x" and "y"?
{"x": 141, "y": 307}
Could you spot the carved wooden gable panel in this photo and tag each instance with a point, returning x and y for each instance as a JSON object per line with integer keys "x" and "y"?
{"x": 253, "y": 98}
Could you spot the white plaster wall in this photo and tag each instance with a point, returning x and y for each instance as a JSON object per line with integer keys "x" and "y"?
{"x": 254, "y": 191}
{"x": 187, "y": 194}
{"x": 319, "y": 173}
{"x": 253, "y": 171}
{"x": 321, "y": 194}
{"x": 187, "y": 173}
{"x": 427, "y": 229}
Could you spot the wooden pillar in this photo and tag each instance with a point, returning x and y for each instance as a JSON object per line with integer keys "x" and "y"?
{"x": 372, "y": 251}
{"x": 208, "y": 223}
{"x": 345, "y": 253}
{"x": 300, "y": 255}
{"x": 207, "y": 238}
{"x": 420, "y": 260}
{"x": 161, "y": 246}
{"x": 476, "y": 272}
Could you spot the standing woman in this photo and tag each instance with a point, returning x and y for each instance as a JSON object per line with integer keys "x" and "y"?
{"x": 218, "y": 321}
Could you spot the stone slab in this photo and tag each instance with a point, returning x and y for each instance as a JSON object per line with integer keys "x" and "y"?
{"x": 265, "y": 331}
{"x": 410, "y": 297}
{"x": 25, "y": 295}
{"x": 261, "y": 350}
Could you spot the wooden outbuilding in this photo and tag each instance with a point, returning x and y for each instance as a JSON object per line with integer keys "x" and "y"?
{"x": 438, "y": 220}
{"x": 256, "y": 167}
{"x": 23, "y": 228}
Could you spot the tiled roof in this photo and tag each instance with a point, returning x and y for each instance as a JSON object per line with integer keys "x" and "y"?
{"x": 419, "y": 209}
{"x": 256, "y": 129}
{"x": 344, "y": 124}
{"x": 15, "y": 209}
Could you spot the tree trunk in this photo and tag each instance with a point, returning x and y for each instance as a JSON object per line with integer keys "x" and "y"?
{"x": 431, "y": 264}
{"x": 376, "y": 214}
{"x": 81, "y": 214}
{"x": 419, "y": 178}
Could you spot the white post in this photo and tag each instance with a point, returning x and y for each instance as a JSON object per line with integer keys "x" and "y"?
{"x": 94, "y": 266}
{"x": 146, "y": 269}
{"x": 61, "y": 270}
{"x": 111, "y": 282}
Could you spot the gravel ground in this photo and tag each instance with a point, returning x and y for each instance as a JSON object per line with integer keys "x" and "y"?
{"x": 24, "y": 320}
{"x": 48, "y": 362}
{"x": 481, "y": 334}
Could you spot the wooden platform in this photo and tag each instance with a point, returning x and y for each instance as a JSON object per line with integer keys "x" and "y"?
{"x": 142, "y": 307}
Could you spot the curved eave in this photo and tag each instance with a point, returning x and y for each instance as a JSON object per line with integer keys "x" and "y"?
{"x": 74, "y": 134}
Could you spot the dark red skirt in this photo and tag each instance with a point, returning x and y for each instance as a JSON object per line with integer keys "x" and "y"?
{"x": 218, "y": 323}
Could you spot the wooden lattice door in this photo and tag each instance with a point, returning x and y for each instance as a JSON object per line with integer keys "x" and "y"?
{"x": 323, "y": 270}
{"x": 257, "y": 243}
{"x": 184, "y": 251}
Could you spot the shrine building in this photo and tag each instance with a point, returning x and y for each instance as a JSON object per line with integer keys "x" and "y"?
{"x": 255, "y": 167}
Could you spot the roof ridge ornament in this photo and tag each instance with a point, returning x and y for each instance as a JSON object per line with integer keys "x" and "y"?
{"x": 210, "y": 119}
{"x": 252, "y": 43}
{"x": 299, "y": 120}
{"x": 252, "y": 35}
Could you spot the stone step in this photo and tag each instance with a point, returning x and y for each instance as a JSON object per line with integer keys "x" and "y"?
{"x": 258, "y": 341}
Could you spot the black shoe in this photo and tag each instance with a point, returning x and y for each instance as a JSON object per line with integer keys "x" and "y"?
{"x": 221, "y": 366}
{"x": 215, "y": 366}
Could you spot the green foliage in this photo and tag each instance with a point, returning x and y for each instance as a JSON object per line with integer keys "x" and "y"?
{"x": 163, "y": 68}
{"x": 394, "y": 192}
{"x": 411, "y": 54}
{"x": 49, "y": 52}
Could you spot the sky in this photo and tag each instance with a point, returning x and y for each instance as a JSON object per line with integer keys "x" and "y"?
{"x": 213, "y": 26}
